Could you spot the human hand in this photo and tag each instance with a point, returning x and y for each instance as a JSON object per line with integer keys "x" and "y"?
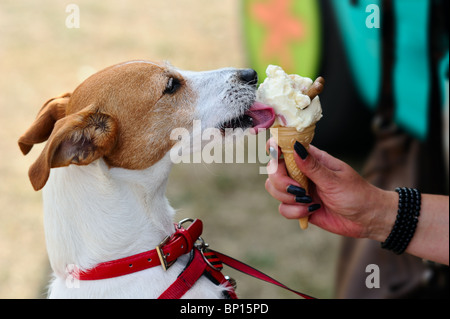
{"x": 349, "y": 205}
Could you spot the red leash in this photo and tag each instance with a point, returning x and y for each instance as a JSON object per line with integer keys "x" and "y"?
{"x": 248, "y": 270}
{"x": 203, "y": 262}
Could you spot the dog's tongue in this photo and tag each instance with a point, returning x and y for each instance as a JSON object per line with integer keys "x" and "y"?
{"x": 263, "y": 116}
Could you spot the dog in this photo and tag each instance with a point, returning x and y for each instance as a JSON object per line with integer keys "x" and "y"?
{"x": 105, "y": 166}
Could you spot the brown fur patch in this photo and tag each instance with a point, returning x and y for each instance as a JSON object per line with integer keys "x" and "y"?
{"x": 133, "y": 95}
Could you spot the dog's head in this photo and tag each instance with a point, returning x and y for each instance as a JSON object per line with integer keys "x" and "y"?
{"x": 126, "y": 113}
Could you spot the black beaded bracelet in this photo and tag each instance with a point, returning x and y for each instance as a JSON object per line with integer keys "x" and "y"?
{"x": 409, "y": 203}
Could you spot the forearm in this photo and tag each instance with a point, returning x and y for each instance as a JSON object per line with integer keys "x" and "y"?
{"x": 431, "y": 239}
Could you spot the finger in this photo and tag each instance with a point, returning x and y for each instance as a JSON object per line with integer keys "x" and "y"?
{"x": 326, "y": 159}
{"x": 313, "y": 168}
{"x": 279, "y": 195}
{"x": 278, "y": 175}
{"x": 295, "y": 211}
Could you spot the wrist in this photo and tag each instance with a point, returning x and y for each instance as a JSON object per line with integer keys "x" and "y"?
{"x": 384, "y": 214}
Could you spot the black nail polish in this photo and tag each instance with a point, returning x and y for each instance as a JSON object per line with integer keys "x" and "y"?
{"x": 314, "y": 207}
{"x": 301, "y": 150}
{"x": 303, "y": 199}
{"x": 295, "y": 190}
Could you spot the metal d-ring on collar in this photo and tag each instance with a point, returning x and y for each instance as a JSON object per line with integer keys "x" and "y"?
{"x": 184, "y": 221}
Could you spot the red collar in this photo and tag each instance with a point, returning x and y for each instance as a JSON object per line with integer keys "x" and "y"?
{"x": 203, "y": 262}
{"x": 165, "y": 254}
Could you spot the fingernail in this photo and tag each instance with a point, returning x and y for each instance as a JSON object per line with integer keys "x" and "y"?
{"x": 273, "y": 152}
{"x": 314, "y": 207}
{"x": 295, "y": 190}
{"x": 301, "y": 150}
{"x": 303, "y": 199}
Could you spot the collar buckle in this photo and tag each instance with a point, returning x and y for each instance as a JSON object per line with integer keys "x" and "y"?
{"x": 163, "y": 257}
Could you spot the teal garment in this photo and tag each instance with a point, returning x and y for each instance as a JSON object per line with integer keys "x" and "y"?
{"x": 363, "y": 47}
{"x": 411, "y": 71}
{"x": 443, "y": 78}
{"x": 412, "y": 74}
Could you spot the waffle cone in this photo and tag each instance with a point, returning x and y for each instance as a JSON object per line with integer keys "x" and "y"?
{"x": 286, "y": 138}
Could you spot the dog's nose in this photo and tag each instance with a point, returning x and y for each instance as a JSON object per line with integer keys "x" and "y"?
{"x": 248, "y": 76}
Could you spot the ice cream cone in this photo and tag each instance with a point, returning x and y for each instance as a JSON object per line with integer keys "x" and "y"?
{"x": 286, "y": 138}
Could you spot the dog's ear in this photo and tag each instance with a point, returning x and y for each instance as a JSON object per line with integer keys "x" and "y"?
{"x": 52, "y": 111}
{"x": 79, "y": 138}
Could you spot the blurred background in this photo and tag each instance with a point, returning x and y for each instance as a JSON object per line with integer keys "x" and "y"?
{"x": 43, "y": 53}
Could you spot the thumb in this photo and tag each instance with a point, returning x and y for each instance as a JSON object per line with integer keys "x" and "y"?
{"x": 317, "y": 165}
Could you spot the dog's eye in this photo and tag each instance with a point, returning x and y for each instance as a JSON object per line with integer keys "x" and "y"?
{"x": 172, "y": 86}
